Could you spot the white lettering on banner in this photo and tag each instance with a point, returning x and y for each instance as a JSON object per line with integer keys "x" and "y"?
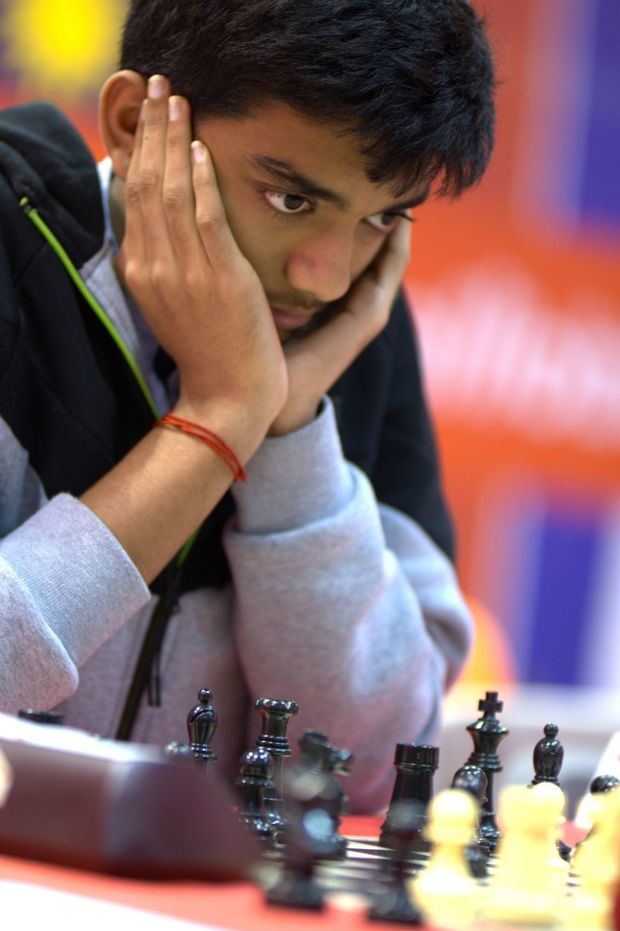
{"x": 496, "y": 353}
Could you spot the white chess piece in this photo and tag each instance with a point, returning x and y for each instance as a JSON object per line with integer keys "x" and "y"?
{"x": 557, "y": 803}
{"x": 596, "y": 865}
{"x": 445, "y": 890}
{"x": 528, "y": 886}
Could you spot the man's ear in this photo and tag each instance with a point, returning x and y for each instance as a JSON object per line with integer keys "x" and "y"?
{"x": 119, "y": 107}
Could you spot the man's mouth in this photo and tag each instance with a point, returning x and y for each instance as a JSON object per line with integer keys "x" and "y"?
{"x": 291, "y": 319}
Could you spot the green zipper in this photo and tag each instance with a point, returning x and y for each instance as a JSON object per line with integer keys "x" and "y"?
{"x": 33, "y": 215}
{"x": 91, "y": 300}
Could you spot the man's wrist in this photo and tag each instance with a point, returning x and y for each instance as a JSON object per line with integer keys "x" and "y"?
{"x": 291, "y": 421}
{"x": 241, "y": 427}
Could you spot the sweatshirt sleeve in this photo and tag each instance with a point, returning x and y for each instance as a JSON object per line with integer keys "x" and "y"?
{"x": 55, "y": 612}
{"x": 342, "y": 604}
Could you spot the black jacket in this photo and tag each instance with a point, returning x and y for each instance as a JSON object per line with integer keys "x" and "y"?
{"x": 72, "y": 402}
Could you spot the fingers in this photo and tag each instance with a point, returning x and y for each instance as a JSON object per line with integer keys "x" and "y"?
{"x": 177, "y": 190}
{"x": 392, "y": 261}
{"x": 133, "y": 241}
{"x": 157, "y": 241}
{"x": 182, "y": 209}
{"x": 211, "y": 220}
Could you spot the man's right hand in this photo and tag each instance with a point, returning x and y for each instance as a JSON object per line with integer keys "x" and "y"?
{"x": 207, "y": 308}
{"x": 200, "y": 296}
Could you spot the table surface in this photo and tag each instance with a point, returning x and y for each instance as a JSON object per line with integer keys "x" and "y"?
{"x": 238, "y": 906}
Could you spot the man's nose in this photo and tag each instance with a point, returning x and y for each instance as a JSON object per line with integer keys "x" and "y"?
{"x": 322, "y": 268}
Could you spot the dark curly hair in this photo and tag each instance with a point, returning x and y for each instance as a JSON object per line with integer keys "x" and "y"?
{"x": 411, "y": 80}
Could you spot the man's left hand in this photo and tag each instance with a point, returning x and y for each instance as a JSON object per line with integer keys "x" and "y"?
{"x": 317, "y": 360}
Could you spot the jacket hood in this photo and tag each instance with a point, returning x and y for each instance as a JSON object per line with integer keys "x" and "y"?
{"x": 45, "y": 159}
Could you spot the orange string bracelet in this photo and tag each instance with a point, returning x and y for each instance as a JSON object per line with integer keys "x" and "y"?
{"x": 215, "y": 442}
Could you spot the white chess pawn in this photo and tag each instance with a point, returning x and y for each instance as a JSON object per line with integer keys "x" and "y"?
{"x": 527, "y": 886}
{"x": 445, "y": 890}
{"x": 557, "y": 802}
{"x": 596, "y": 865}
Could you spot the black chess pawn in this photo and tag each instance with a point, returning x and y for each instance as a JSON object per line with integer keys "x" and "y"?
{"x": 393, "y": 902}
{"x": 487, "y": 733}
{"x": 604, "y": 783}
{"x": 415, "y": 766}
{"x": 275, "y": 714}
{"x": 255, "y": 772}
{"x": 201, "y": 725}
{"x": 473, "y": 779}
{"x": 548, "y": 757}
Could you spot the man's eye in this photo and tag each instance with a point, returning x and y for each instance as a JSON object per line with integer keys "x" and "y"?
{"x": 287, "y": 203}
{"x": 386, "y": 222}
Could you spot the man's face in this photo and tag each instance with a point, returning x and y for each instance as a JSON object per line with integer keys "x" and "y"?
{"x": 300, "y": 206}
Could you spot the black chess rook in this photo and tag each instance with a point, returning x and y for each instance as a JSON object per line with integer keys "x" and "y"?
{"x": 275, "y": 714}
{"x": 415, "y": 766}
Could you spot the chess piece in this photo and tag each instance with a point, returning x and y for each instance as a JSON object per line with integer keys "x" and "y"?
{"x": 597, "y": 867}
{"x": 472, "y": 779}
{"x": 275, "y": 715}
{"x": 319, "y": 757}
{"x": 201, "y": 725}
{"x": 445, "y": 890}
{"x": 604, "y": 783}
{"x": 394, "y": 902}
{"x": 548, "y": 757}
{"x": 306, "y": 838}
{"x": 528, "y": 885}
{"x": 312, "y": 787}
{"x": 255, "y": 772}
{"x": 487, "y": 733}
{"x": 415, "y": 766}
{"x": 557, "y": 803}
{"x": 340, "y": 762}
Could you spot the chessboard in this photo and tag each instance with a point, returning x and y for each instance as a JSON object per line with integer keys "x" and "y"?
{"x": 237, "y": 906}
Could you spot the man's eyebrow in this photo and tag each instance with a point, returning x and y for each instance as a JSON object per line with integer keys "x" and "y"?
{"x": 284, "y": 171}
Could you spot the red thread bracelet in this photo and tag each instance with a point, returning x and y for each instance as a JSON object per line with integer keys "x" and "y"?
{"x": 215, "y": 442}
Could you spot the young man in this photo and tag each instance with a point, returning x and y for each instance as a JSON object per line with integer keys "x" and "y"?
{"x": 237, "y": 258}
